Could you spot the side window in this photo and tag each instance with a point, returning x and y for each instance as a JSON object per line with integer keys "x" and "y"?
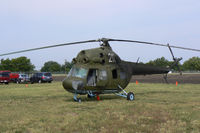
{"x": 114, "y": 74}
{"x": 102, "y": 75}
{"x": 122, "y": 75}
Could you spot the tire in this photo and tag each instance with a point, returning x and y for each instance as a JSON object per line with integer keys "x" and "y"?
{"x": 78, "y": 100}
{"x": 130, "y": 96}
{"x": 6, "y": 83}
{"x": 18, "y": 81}
{"x": 49, "y": 81}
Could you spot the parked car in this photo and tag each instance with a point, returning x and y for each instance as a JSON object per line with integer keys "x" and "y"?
{"x": 23, "y": 78}
{"x": 4, "y": 77}
{"x": 14, "y": 77}
{"x": 41, "y": 77}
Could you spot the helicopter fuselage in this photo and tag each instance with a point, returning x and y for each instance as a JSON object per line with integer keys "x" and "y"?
{"x": 101, "y": 71}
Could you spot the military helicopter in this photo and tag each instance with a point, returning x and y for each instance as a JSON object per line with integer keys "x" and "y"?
{"x": 101, "y": 71}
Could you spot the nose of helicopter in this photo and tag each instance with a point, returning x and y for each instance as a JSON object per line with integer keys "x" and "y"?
{"x": 67, "y": 84}
{"x": 72, "y": 85}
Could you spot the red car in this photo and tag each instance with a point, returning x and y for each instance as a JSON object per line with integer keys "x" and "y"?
{"x": 4, "y": 77}
{"x": 14, "y": 77}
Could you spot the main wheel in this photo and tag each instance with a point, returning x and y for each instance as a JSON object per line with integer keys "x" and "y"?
{"x": 78, "y": 100}
{"x": 130, "y": 96}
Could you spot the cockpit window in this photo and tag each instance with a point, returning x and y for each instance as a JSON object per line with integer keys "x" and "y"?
{"x": 78, "y": 72}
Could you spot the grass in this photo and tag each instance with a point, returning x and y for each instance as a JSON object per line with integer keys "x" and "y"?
{"x": 49, "y": 108}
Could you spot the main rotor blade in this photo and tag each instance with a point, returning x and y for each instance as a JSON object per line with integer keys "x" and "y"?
{"x": 104, "y": 40}
{"x": 50, "y": 46}
{"x": 157, "y": 44}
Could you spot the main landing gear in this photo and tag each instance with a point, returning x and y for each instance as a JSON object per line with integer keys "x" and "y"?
{"x": 90, "y": 95}
{"x": 130, "y": 96}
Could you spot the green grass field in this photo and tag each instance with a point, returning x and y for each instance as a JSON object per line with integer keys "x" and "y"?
{"x": 158, "y": 108}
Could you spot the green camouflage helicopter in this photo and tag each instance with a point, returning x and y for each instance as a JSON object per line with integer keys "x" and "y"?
{"x": 101, "y": 71}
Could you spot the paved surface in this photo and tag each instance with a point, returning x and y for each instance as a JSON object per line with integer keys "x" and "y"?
{"x": 172, "y": 78}
{"x": 158, "y": 78}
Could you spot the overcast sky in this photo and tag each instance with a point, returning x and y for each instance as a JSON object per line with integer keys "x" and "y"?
{"x": 28, "y": 24}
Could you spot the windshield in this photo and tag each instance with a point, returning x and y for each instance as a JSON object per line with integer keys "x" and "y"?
{"x": 24, "y": 75}
{"x": 47, "y": 74}
{"x": 5, "y": 74}
{"x": 78, "y": 72}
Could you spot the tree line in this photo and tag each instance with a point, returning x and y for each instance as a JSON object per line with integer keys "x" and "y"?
{"x": 192, "y": 64}
{"x": 23, "y": 64}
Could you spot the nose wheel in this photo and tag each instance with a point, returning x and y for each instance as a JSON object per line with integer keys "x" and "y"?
{"x": 77, "y": 99}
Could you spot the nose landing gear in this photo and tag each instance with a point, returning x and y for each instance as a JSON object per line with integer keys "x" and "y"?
{"x": 77, "y": 99}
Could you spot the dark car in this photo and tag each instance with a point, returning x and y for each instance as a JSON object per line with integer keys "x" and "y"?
{"x": 41, "y": 77}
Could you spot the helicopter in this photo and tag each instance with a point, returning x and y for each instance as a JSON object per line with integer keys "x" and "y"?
{"x": 101, "y": 71}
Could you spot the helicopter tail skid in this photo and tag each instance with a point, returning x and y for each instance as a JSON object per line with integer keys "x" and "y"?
{"x": 130, "y": 96}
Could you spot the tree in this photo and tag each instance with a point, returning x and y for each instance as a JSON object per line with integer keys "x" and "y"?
{"x": 51, "y": 66}
{"x": 20, "y": 64}
{"x": 67, "y": 66}
{"x": 6, "y": 64}
{"x": 192, "y": 64}
{"x": 162, "y": 62}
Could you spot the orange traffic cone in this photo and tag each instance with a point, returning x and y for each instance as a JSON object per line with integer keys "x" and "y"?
{"x": 176, "y": 83}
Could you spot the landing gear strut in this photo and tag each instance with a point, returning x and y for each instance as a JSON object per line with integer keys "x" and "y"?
{"x": 90, "y": 94}
{"x": 130, "y": 96}
{"x": 77, "y": 99}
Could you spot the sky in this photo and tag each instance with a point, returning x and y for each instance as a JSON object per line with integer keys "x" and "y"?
{"x": 28, "y": 24}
